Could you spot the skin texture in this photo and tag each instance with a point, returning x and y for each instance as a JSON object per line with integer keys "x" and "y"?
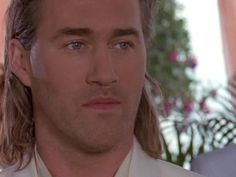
{"x": 85, "y": 49}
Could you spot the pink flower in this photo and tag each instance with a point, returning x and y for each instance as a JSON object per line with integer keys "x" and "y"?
{"x": 213, "y": 93}
{"x": 188, "y": 106}
{"x": 203, "y": 106}
{"x": 168, "y": 108}
{"x": 192, "y": 62}
{"x": 173, "y": 56}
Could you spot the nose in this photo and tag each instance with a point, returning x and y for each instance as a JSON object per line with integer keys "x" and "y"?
{"x": 102, "y": 69}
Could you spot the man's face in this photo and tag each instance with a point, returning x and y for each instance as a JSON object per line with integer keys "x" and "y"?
{"x": 87, "y": 71}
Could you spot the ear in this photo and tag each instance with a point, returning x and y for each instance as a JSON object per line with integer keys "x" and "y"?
{"x": 19, "y": 59}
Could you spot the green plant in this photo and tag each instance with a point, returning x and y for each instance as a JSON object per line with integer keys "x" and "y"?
{"x": 202, "y": 131}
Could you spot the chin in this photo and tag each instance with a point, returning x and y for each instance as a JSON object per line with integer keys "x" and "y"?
{"x": 97, "y": 146}
{"x": 100, "y": 144}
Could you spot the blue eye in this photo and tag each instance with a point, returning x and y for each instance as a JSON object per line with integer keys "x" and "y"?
{"x": 124, "y": 45}
{"x": 75, "y": 45}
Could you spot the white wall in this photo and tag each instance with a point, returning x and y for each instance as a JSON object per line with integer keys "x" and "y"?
{"x": 204, "y": 27}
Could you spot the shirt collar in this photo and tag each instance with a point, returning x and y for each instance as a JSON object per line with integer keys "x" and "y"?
{"x": 41, "y": 169}
{"x": 124, "y": 170}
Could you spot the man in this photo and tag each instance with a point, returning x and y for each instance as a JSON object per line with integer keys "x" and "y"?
{"x": 218, "y": 163}
{"x": 76, "y": 91}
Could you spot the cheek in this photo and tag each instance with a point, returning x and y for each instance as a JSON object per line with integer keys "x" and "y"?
{"x": 133, "y": 71}
{"x": 37, "y": 67}
{"x": 45, "y": 62}
{"x": 132, "y": 77}
{"x": 49, "y": 66}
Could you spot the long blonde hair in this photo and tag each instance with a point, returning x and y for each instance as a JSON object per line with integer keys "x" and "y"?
{"x": 17, "y": 136}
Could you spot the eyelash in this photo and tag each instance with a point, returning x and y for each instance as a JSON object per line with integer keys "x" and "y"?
{"x": 127, "y": 43}
{"x": 79, "y": 44}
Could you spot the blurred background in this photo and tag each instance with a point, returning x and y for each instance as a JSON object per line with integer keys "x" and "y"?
{"x": 193, "y": 58}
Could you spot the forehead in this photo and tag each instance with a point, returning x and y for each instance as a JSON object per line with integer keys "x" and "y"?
{"x": 96, "y": 14}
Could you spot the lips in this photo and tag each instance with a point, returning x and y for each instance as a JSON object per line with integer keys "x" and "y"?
{"x": 102, "y": 103}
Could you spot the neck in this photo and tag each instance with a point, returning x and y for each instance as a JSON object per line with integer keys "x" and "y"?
{"x": 63, "y": 160}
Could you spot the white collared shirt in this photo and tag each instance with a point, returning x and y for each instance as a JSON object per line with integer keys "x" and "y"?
{"x": 40, "y": 170}
{"x": 136, "y": 164}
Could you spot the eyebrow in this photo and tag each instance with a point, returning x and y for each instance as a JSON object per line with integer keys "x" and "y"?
{"x": 71, "y": 32}
{"x": 125, "y": 32}
{"x": 67, "y": 31}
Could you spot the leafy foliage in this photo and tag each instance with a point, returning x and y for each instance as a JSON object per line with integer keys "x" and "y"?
{"x": 202, "y": 131}
{"x": 170, "y": 58}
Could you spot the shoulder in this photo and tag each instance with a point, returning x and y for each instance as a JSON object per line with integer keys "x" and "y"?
{"x": 144, "y": 165}
{"x": 7, "y": 172}
{"x": 169, "y": 169}
{"x": 218, "y": 156}
{"x": 13, "y": 171}
{"x": 214, "y": 162}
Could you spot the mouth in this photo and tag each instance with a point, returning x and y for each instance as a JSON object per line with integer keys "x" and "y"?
{"x": 102, "y": 103}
